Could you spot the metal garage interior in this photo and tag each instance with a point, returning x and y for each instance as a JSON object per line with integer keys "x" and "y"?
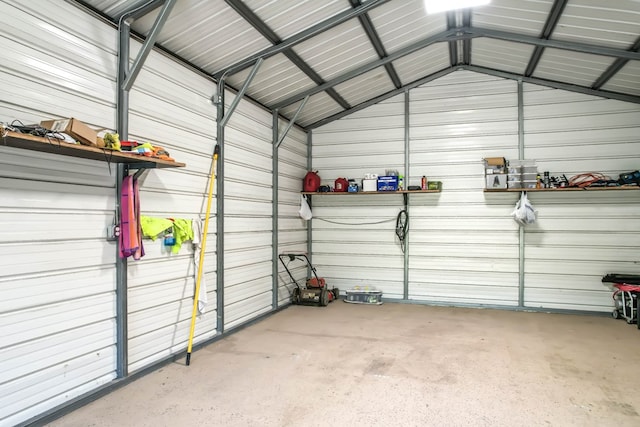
{"x": 347, "y": 88}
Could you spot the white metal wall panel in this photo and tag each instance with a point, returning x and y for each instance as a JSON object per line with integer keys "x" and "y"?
{"x": 289, "y": 18}
{"x": 170, "y": 107}
{"x": 318, "y": 105}
{"x": 423, "y": 62}
{"x": 614, "y": 24}
{"x": 344, "y": 47}
{"x": 463, "y": 248}
{"x": 199, "y": 40}
{"x": 277, "y": 79}
{"x": 501, "y": 55}
{"x": 248, "y": 199}
{"x": 57, "y": 315}
{"x": 627, "y": 80}
{"x": 580, "y": 237}
{"x": 571, "y": 67}
{"x": 517, "y": 16}
{"x": 400, "y": 23}
{"x": 292, "y": 230}
{"x": 344, "y": 251}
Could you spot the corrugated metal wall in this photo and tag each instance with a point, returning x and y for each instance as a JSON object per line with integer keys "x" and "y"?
{"x": 57, "y": 274}
{"x": 248, "y": 284}
{"x": 579, "y": 237}
{"x": 463, "y": 243}
{"x": 171, "y": 107}
{"x": 292, "y": 230}
{"x": 58, "y": 308}
{"x": 354, "y": 236}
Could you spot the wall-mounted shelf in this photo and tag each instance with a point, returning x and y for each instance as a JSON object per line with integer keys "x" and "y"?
{"x": 369, "y": 193}
{"x": 535, "y": 190}
{"x": 54, "y": 146}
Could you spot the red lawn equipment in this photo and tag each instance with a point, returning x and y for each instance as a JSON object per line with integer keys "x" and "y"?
{"x": 315, "y": 291}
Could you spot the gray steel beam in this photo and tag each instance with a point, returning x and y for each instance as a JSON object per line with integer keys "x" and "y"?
{"x": 382, "y": 97}
{"x": 148, "y": 44}
{"x": 220, "y": 210}
{"x": 291, "y": 122}
{"x": 309, "y": 223}
{"x": 274, "y": 209}
{"x": 138, "y": 11}
{"x": 521, "y": 233}
{"x": 240, "y": 94}
{"x": 371, "y": 32}
{"x": 253, "y": 19}
{"x": 122, "y": 107}
{"x": 614, "y": 68}
{"x": 466, "y": 47}
{"x": 407, "y": 141}
{"x": 549, "y": 26}
{"x": 453, "y": 45}
{"x": 556, "y": 44}
{"x": 301, "y": 36}
{"x": 440, "y": 37}
{"x": 554, "y": 84}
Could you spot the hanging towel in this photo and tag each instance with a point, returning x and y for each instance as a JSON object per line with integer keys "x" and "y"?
{"x": 196, "y": 225}
{"x": 152, "y": 226}
{"x": 130, "y": 229}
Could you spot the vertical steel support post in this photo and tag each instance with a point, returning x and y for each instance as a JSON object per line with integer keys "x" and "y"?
{"x": 406, "y": 181}
{"x": 310, "y": 222}
{"x": 220, "y": 209}
{"x": 520, "y": 227}
{"x": 122, "y": 106}
{"x": 274, "y": 210}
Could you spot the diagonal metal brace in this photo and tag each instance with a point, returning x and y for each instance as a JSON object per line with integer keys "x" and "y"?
{"x": 240, "y": 94}
{"x": 292, "y": 121}
{"x": 148, "y": 45}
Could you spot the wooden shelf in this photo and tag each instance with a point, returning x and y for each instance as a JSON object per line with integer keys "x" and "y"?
{"x": 536, "y": 190}
{"x": 54, "y": 146}
{"x": 368, "y": 193}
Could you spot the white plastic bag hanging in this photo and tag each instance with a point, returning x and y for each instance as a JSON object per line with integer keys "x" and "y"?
{"x": 305, "y": 210}
{"x": 524, "y": 212}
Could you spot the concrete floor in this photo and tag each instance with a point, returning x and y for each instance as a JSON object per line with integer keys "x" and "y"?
{"x": 393, "y": 365}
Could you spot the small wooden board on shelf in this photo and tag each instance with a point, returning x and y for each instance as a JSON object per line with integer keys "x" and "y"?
{"x": 533, "y": 190}
{"x": 365, "y": 193}
{"x": 54, "y": 146}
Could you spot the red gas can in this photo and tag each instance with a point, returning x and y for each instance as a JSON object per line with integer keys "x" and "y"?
{"x": 341, "y": 185}
{"x": 311, "y": 181}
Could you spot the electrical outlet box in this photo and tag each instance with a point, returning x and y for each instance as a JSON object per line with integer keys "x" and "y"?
{"x": 113, "y": 232}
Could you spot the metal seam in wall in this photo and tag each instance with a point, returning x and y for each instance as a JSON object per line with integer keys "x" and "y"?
{"x": 520, "y": 227}
{"x": 275, "y": 213}
{"x": 310, "y": 222}
{"x": 220, "y": 211}
{"x": 406, "y": 180}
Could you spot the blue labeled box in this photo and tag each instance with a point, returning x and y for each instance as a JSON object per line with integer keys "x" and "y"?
{"x": 387, "y": 183}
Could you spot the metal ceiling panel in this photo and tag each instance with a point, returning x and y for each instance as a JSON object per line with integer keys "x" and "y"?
{"x": 604, "y": 23}
{"x": 571, "y": 67}
{"x": 206, "y": 33}
{"x": 366, "y": 86}
{"x": 287, "y": 18}
{"x": 318, "y": 107}
{"x": 277, "y": 79}
{"x": 400, "y": 23}
{"x": 501, "y": 55}
{"x": 627, "y": 80}
{"x": 518, "y": 16}
{"x": 422, "y": 63}
{"x": 337, "y": 50}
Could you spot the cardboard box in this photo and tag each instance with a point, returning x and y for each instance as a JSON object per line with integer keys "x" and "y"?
{"x": 495, "y": 161}
{"x": 73, "y": 127}
{"x": 369, "y": 185}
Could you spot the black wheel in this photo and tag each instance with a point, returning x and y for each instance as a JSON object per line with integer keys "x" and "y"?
{"x": 615, "y": 314}
{"x": 324, "y": 297}
{"x": 295, "y": 297}
{"x": 336, "y": 293}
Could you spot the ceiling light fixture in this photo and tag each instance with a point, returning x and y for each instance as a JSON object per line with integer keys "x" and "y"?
{"x": 437, "y": 6}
